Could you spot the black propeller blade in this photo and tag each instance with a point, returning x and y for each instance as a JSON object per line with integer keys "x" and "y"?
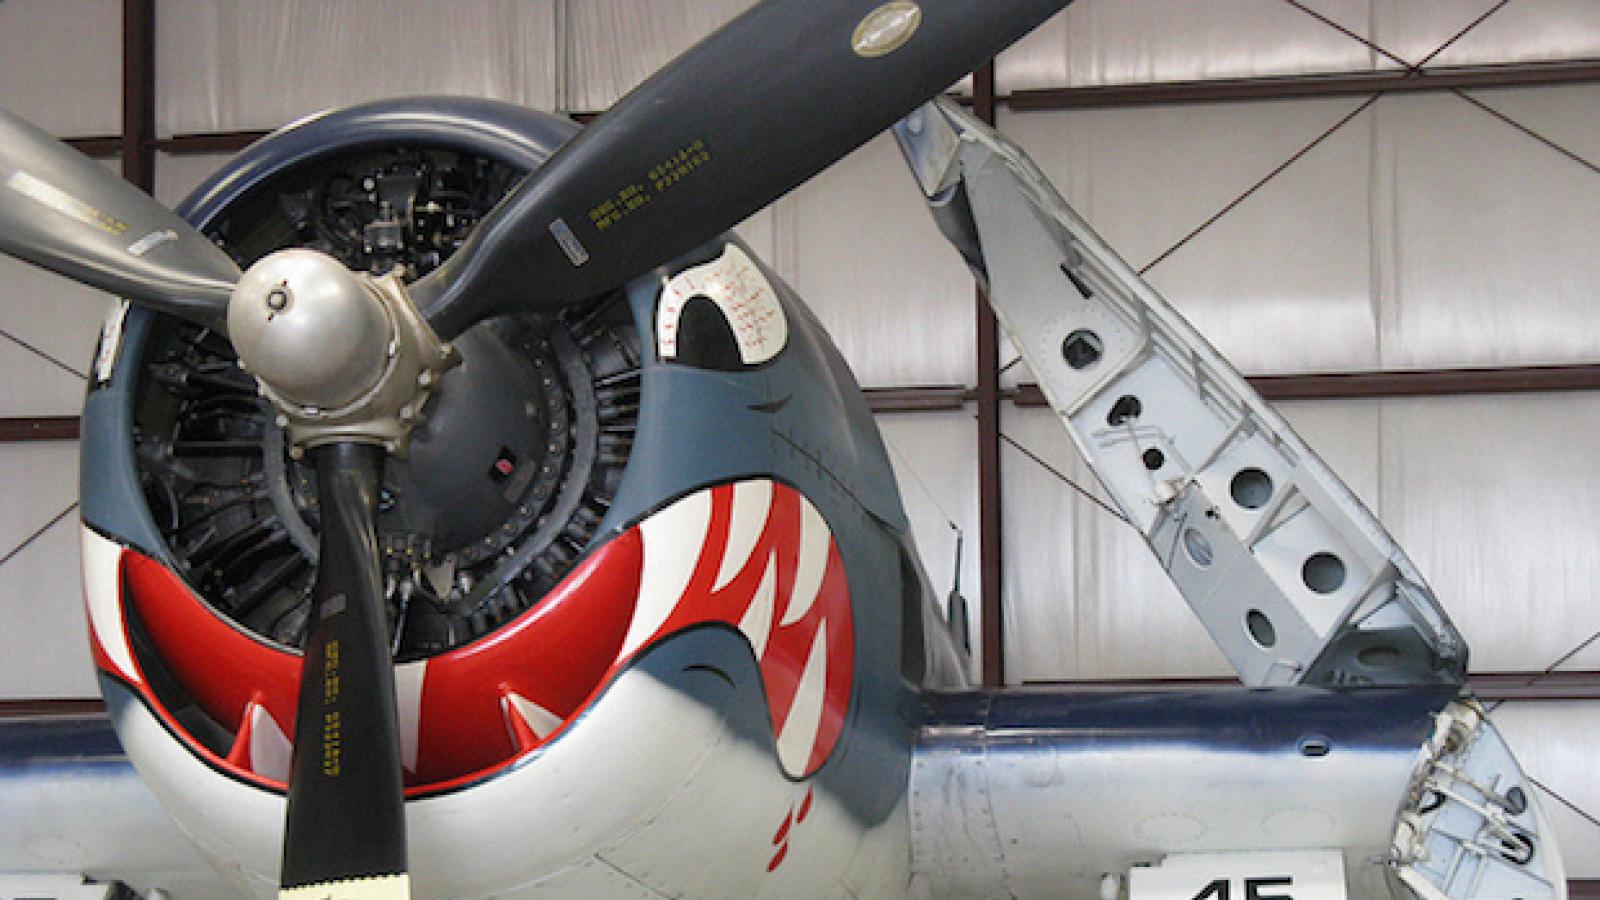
{"x": 69, "y": 214}
{"x": 777, "y": 95}
{"x": 346, "y": 816}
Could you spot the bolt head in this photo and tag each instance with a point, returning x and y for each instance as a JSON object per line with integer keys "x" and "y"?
{"x": 278, "y": 298}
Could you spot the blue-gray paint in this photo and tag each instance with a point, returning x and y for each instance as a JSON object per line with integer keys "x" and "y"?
{"x": 1262, "y": 720}
{"x": 504, "y": 132}
{"x": 799, "y": 418}
{"x": 112, "y": 499}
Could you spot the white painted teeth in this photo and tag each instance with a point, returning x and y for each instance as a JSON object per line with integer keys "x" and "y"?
{"x": 799, "y": 733}
{"x": 757, "y": 621}
{"x": 813, "y": 564}
{"x": 673, "y": 568}
{"x": 673, "y": 540}
{"x": 752, "y": 501}
{"x": 542, "y": 722}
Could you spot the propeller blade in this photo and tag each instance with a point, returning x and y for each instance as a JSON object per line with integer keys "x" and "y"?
{"x": 346, "y": 815}
{"x": 774, "y": 97}
{"x": 67, "y": 213}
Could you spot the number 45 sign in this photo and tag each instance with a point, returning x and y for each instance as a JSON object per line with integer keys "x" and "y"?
{"x": 1297, "y": 875}
{"x": 1222, "y": 888}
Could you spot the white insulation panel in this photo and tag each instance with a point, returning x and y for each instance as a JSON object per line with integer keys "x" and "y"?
{"x": 1511, "y": 32}
{"x": 1282, "y": 281}
{"x": 1102, "y": 42}
{"x": 1097, "y": 42}
{"x": 44, "y": 646}
{"x": 61, "y": 65}
{"x": 226, "y": 66}
{"x": 1503, "y": 534}
{"x": 615, "y": 44}
{"x": 1422, "y": 233}
{"x": 1494, "y": 499}
{"x": 177, "y": 175}
{"x": 857, "y": 242}
{"x": 59, "y": 322}
{"x": 1485, "y": 237}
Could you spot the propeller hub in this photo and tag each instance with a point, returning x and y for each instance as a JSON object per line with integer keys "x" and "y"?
{"x": 343, "y": 356}
{"x": 311, "y": 329}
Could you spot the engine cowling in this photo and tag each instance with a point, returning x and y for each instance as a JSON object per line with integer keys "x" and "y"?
{"x": 674, "y": 482}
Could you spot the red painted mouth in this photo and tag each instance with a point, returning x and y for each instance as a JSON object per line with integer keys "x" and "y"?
{"x": 754, "y": 555}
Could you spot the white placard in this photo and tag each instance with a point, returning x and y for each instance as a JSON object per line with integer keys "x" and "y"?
{"x": 1296, "y": 875}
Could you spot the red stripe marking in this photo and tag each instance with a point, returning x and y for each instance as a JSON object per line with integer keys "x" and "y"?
{"x": 777, "y": 858}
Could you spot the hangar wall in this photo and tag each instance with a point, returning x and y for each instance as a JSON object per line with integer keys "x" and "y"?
{"x": 1376, "y": 234}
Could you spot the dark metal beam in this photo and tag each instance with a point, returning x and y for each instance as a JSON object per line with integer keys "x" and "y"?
{"x": 987, "y": 397}
{"x": 927, "y": 398}
{"x": 139, "y": 92}
{"x": 1578, "y": 685}
{"x": 1489, "y": 686}
{"x": 1430, "y": 382}
{"x": 51, "y": 708}
{"x": 1493, "y": 686}
{"x": 1414, "y": 383}
{"x": 1310, "y": 386}
{"x": 950, "y": 397}
{"x": 1293, "y": 87}
{"x": 1336, "y": 84}
{"x": 211, "y": 142}
{"x": 100, "y": 147}
{"x": 39, "y": 428}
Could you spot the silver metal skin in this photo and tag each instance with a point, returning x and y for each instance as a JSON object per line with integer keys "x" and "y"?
{"x": 1005, "y": 807}
{"x": 342, "y": 356}
{"x": 67, "y": 213}
{"x": 1468, "y": 808}
{"x": 1044, "y": 813}
{"x": 1294, "y": 579}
